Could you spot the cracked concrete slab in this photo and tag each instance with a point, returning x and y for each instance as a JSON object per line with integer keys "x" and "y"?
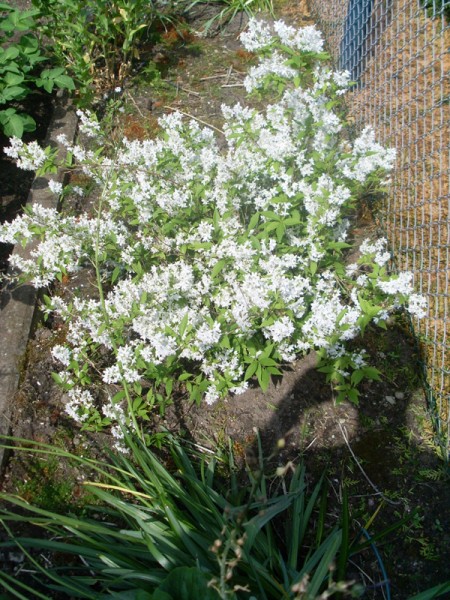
{"x": 18, "y": 303}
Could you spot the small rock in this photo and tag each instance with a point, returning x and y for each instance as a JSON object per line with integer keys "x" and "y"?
{"x": 399, "y": 395}
{"x": 390, "y": 399}
{"x": 16, "y": 557}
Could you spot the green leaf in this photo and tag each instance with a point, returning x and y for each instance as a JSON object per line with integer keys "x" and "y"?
{"x": 357, "y": 376}
{"x": 324, "y": 558}
{"x": 183, "y": 324}
{"x": 65, "y": 82}
{"x": 251, "y": 370}
{"x": 326, "y": 369}
{"x": 435, "y": 592}
{"x": 263, "y": 379}
{"x": 225, "y": 342}
{"x": 274, "y": 371}
{"x": 14, "y": 92}
{"x": 13, "y": 126}
{"x": 353, "y": 395}
{"x": 185, "y": 376}
{"x": 280, "y": 231}
{"x": 157, "y": 595}
{"x": 13, "y": 78}
{"x": 267, "y": 362}
{"x": 369, "y": 309}
{"x": 218, "y": 267}
{"x": 253, "y": 222}
{"x": 294, "y": 220}
{"x": 372, "y": 373}
{"x": 8, "y": 55}
{"x": 115, "y": 274}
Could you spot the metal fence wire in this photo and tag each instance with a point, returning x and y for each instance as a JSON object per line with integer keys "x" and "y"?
{"x": 397, "y": 52}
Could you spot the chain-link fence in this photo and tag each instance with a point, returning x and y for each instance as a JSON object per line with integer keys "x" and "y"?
{"x": 397, "y": 52}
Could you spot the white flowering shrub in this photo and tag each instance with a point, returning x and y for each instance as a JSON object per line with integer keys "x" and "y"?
{"x": 217, "y": 262}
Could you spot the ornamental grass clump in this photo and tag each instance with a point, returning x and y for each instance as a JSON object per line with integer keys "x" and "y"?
{"x": 216, "y": 261}
{"x": 190, "y": 531}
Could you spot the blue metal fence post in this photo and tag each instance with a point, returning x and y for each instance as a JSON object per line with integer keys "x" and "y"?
{"x": 353, "y": 45}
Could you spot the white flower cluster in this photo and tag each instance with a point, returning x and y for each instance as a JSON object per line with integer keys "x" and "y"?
{"x": 223, "y": 254}
{"x": 56, "y": 187}
{"x": 364, "y": 162}
{"x": 377, "y": 249}
{"x": 29, "y": 157}
{"x": 260, "y": 36}
{"x": 88, "y": 124}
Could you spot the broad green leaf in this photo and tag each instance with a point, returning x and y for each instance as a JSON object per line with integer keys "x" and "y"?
{"x": 263, "y": 379}
{"x": 14, "y": 126}
{"x": 218, "y": 267}
{"x": 435, "y": 592}
{"x": 65, "y": 82}
{"x": 13, "y": 79}
{"x": 8, "y": 55}
{"x": 372, "y": 373}
{"x": 183, "y": 324}
{"x": 357, "y": 376}
{"x": 14, "y": 92}
{"x": 251, "y": 370}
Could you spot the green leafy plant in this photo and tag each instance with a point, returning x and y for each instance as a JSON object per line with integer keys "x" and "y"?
{"x": 436, "y": 8}
{"x": 187, "y": 530}
{"x": 97, "y": 41}
{"x": 20, "y": 72}
{"x": 215, "y": 263}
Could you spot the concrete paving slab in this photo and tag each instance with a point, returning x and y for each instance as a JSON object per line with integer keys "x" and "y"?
{"x": 18, "y": 304}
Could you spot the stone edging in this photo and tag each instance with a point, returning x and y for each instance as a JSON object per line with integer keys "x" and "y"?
{"x": 18, "y": 304}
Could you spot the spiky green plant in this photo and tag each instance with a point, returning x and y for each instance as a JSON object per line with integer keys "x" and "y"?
{"x": 183, "y": 524}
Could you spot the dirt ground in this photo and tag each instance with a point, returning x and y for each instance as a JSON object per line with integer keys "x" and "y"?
{"x": 381, "y": 450}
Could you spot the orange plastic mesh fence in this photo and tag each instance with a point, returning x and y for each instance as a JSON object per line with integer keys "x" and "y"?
{"x": 398, "y": 53}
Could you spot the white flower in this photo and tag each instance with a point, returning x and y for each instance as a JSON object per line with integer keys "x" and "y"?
{"x": 257, "y": 35}
{"x": 88, "y": 124}
{"x": 417, "y": 305}
{"x": 239, "y": 389}
{"x": 274, "y": 65}
{"x": 62, "y": 353}
{"x": 281, "y": 329}
{"x": 29, "y": 157}
{"x": 402, "y": 284}
{"x": 351, "y": 269}
{"x": 55, "y": 186}
{"x": 207, "y": 336}
{"x": 211, "y": 395}
{"x": 342, "y": 80}
{"x": 80, "y": 403}
{"x": 76, "y": 189}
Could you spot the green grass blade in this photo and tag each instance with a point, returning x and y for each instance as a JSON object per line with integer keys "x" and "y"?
{"x": 434, "y": 592}
{"x": 5, "y": 581}
{"x": 343, "y": 555}
{"x": 322, "y": 513}
{"x": 327, "y": 553}
{"x": 295, "y": 523}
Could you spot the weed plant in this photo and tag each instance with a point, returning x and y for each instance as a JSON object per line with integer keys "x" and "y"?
{"x": 22, "y": 69}
{"x": 98, "y": 41}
